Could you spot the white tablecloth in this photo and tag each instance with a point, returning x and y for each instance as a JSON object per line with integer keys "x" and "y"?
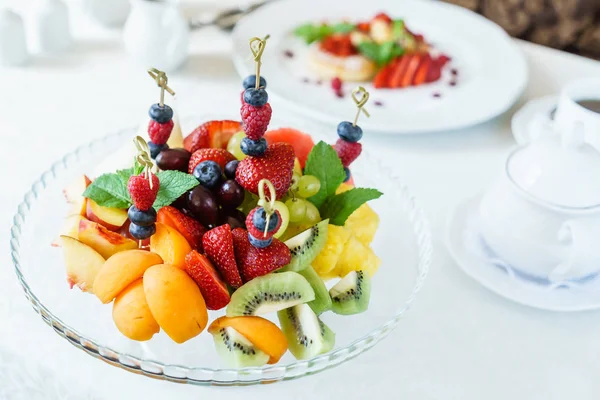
{"x": 458, "y": 342}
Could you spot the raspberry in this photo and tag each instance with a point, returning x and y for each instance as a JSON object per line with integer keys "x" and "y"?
{"x": 256, "y": 120}
{"x": 141, "y": 194}
{"x": 336, "y": 84}
{"x": 347, "y": 151}
{"x": 159, "y": 133}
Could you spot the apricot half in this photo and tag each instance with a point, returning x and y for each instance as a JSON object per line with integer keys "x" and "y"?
{"x": 170, "y": 245}
{"x": 175, "y": 302}
{"x": 132, "y": 315}
{"x": 261, "y": 332}
{"x": 120, "y": 270}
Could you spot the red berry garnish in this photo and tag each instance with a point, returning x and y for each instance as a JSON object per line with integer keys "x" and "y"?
{"x": 255, "y": 119}
{"x": 159, "y": 133}
{"x": 141, "y": 194}
{"x": 347, "y": 151}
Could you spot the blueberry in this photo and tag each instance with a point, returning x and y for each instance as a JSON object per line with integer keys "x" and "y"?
{"x": 142, "y": 218}
{"x": 250, "y": 81}
{"x": 348, "y": 175}
{"x": 256, "y": 97}
{"x": 259, "y": 220}
{"x": 253, "y": 147}
{"x": 349, "y": 132}
{"x": 161, "y": 114}
{"x": 230, "y": 169}
{"x": 208, "y": 173}
{"x": 259, "y": 243}
{"x": 142, "y": 232}
{"x": 155, "y": 149}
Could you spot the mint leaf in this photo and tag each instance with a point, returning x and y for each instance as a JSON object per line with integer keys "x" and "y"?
{"x": 172, "y": 185}
{"x": 398, "y": 29}
{"x": 369, "y": 50}
{"x": 343, "y": 27}
{"x": 312, "y": 33}
{"x": 324, "y": 163}
{"x": 339, "y": 207}
{"x": 381, "y": 54}
{"x": 109, "y": 190}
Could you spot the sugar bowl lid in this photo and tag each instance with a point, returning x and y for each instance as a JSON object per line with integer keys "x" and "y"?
{"x": 561, "y": 169}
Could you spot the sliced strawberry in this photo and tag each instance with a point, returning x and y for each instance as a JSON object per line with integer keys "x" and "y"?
{"x": 218, "y": 246}
{"x": 254, "y": 262}
{"x": 443, "y": 60}
{"x": 382, "y": 78}
{"x": 384, "y": 17}
{"x": 214, "y": 134}
{"x": 421, "y": 74}
{"x": 220, "y": 156}
{"x": 364, "y": 27}
{"x": 435, "y": 71}
{"x": 191, "y": 229}
{"x": 396, "y": 77}
{"x": 213, "y": 289}
{"x": 411, "y": 69}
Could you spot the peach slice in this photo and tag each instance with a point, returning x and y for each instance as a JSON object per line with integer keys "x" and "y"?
{"x": 109, "y": 217}
{"x": 171, "y": 245}
{"x": 102, "y": 240}
{"x": 73, "y": 192}
{"x": 132, "y": 315}
{"x": 70, "y": 228}
{"x": 82, "y": 263}
{"x": 261, "y": 332}
{"x": 175, "y": 301}
{"x": 120, "y": 270}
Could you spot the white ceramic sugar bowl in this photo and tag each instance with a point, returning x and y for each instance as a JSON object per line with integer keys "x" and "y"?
{"x": 542, "y": 216}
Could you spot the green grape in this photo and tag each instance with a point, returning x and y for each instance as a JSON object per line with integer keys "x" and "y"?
{"x": 311, "y": 215}
{"x": 234, "y": 145}
{"x": 297, "y": 209}
{"x": 285, "y": 218}
{"x": 294, "y": 184}
{"x": 308, "y": 186}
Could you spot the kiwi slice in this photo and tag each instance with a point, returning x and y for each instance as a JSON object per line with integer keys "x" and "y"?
{"x": 351, "y": 294}
{"x": 307, "y": 336}
{"x": 322, "y": 301}
{"x": 237, "y": 351}
{"x": 269, "y": 293}
{"x": 306, "y": 245}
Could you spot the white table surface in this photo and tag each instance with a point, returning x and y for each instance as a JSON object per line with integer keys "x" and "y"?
{"x": 459, "y": 341}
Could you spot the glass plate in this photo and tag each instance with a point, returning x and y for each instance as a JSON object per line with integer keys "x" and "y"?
{"x": 403, "y": 242}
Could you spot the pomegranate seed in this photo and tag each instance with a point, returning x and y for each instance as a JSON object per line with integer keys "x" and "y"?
{"x": 336, "y": 84}
{"x": 288, "y": 54}
{"x": 378, "y": 103}
{"x": 437, "y": 95}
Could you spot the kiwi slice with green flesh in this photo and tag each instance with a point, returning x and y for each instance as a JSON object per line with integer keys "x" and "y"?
{"x": 307, "y": 336}
{"x": 351, "y": 294}
{"x": 236, "y": 351}
{"x": 306, "y": 245}
{"x": 270, "y": 293}
{"x": 322, "y": 301}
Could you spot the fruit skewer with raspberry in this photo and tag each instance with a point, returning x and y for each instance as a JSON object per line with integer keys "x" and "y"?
{"x": 143, "y": 189}
{"x": 161, "y": 116}
{"x": 263, "y": 221}
{"x": 347, "y": 146}
{"x": 256, "y": 110}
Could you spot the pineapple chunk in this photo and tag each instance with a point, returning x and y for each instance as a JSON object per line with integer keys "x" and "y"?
{"x": 363, "y": 224}
{"x": 356, "y": 256}
{"x": 327, "y": 259}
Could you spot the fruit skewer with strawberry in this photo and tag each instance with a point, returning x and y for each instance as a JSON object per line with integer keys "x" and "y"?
{"x": 256, "y": 110}
{"x": 143, "y": 190}
{"x": 263, "y": 221}
{"x": 347, "y": 146}
{"x": 161, "y": 116}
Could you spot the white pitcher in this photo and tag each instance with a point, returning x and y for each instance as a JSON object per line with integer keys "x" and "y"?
{"x": 156, "y": 34}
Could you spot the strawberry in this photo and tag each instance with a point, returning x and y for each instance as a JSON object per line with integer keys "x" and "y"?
{"x": 254, "y": 262}
{"x": 347, "y": 151}
{"x": 396, "y": 76}
{"x": 159, "y": 133}
{"x": 192, "y": 230}
{"x": 435, "y": 71}
{"x": 411, "y": 69}
{"x": 382, "y": 78}
{"x": 421, "y": 74}
{"x": 218, "y": 246}
{"x": 256, "y": 120}
{"x": 141, "y": 194}
{"x": 276, "y": 165}
{"x": 214, "y": 134}
{"x": 213, "y": 289}
{"x": 220, "y": 156}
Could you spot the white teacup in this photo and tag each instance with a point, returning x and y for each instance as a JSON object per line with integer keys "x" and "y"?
{"x": 570, "y": 110}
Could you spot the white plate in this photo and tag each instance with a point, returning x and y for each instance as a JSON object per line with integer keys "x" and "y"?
{"x": 472, "y": 255}
{"x": 523, "y": 120}
{"x": 492, "y": 72}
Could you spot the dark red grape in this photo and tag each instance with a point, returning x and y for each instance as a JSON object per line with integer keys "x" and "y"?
{"x": 234, "y": 217}
{"x": 173, "y": 159}
{"x": 230, "y": 169}
{"x": 203, "y": 205}
{"x": 230, "y": 194}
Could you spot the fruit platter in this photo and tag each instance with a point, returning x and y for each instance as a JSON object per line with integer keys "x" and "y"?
{"x": 243, "y": 252}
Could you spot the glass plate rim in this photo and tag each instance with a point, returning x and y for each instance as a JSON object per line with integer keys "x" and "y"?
{"x": 234, "y": 377}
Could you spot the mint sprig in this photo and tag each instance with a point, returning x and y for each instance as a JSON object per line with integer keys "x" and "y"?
{"x": 316, "y": 32}
{"x": 108, "y": 190}
{"x": 339, "y": 207}
{"x": 324, "y": 163}
{"x": 172, "y": 185}
{"x": 382, "y": 53}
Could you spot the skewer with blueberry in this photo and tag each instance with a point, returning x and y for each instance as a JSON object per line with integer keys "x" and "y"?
{"x": 347, "y": 146}
{"x": 256, "y": 110}
{"x": 263, "y": 221}
{"x": 161, "y": 116}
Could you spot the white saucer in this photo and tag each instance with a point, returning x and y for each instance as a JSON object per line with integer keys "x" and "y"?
{"x": 542, "y": 107}
{"x": 491, "y": 69}
{"x": 472, "y": 255}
